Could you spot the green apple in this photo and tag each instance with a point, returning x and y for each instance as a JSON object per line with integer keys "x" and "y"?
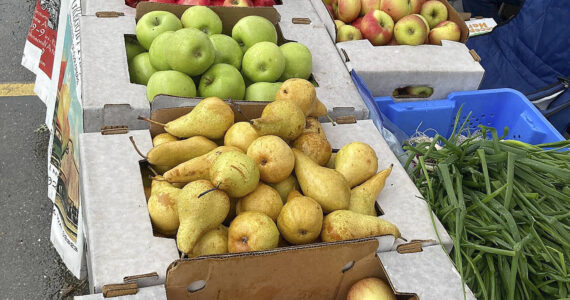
{"x": 222, "y": 81}
{"x": 419, "y": 91}
{"x": 411, "y": 30}
{"x": 263, "y": 62}
{"x": 298, "y": 61}
{"x": 262, "y": 91}
{"x": 190, "y": 52}
{"x": 202, "y": 18}
{"x": 140, "y": 68}
{"x": 227, "y": 50}
{"x": 245, "y": 79}
{"x": 348, "y": 33}
{"x": 171, "y": 83}
{"x": 153, "y": 23}
{"x": 251, "y": 30}
{"x": 132, "y": 47}
{"x": 158, "y": 49}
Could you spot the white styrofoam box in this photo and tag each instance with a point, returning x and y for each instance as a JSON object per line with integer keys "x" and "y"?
{"x": 400, "y": 200}
{"x": 156, "y": 292}
{"x": 118, "y": 231}
{"x": 429, "y": 274}
{"x": 91, "y": 7}
{"x": 119, "y": 234}
{"x": 110, "y": 99}
{"x": 447, "y": 68}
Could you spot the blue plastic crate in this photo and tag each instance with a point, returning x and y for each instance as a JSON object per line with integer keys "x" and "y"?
{"x": 495, "y": 108}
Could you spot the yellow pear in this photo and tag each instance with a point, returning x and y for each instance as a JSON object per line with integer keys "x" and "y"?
{"x": 298, "y": 91}
{"x": 319, "y": 109}
{"x": 313, "y": 125}
{"x": 300, "y": 220}
{"x": 315, "y": 146}
{"x": 240, "y": 135}
{"x": 252, "y": 231}
{"x": 363, "y": 197}
{"x": 343, "y": 225}
{"x": 285, "y": 187}
{"x": 326, "y": 186}
{"x": 273, "y": 156}
{"x": 163, "y": 138}
{"x": 330, "y": 163}
{"x": 281, "y": 118}
{"x": 211, "y": 118}
{"x": 235, "y": 173}
{"x": 263, "y": 199}
{"x": 162, "y": 207}
{"x": 196, "y": 168}
{"x": 212, "y": 242}
{"x": 199, "y": 214}
{"x": 294, "y": 194}
{"x": 357, "y": 162}
{"x": 177, "y": 152}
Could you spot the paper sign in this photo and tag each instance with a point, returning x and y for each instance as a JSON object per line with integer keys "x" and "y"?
{"x": 480, "y": 26}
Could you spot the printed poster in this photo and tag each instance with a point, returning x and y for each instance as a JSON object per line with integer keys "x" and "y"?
{"x": 63, "y": 166}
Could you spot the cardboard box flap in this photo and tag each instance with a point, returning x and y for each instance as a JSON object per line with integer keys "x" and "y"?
{"x": 270, "y": 275}
{"x": 156, "y": 292}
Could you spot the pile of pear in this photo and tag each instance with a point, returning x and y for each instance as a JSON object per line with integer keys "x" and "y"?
{"x": 225, "y": 186}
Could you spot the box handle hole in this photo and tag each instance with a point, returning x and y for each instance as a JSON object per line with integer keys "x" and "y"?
{"x": 196, "y": 286}
{"x": 418, "y": 91}
{"x": 348, "y": 266}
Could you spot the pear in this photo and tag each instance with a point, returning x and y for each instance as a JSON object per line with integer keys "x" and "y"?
{"x": 196, "y": 168}
{"x": 199, "y": 214}
{"x": 343, "y": 225}
{"x": 300, "y": 220}
{"x": 285, "y": 187}
{"x": 315, "y": 146}
{"x": 212, "y": 242}
{"x": 330, "y": 163}
{"x": 326, "y": 186}
{"x": 298, "y": 91}
{"x": 162, "y": 207}
{"x": 313, "y": 125}
{"x": 240, "y": 135}
{"x": 263, "y": 199}
{"x": 357, "y": 162}
{"x": 273, "y": 156}
{"x": 294, "y": 194}
{"x": 174, "y": 153}
{"x": 363, "y": 197}
{"x": 235, "y": 173}
{"x": 252, "y": 231}
{"x": 211, "y": 118}
{"x": 319, "y": 110}
{"x": 281, "y": 118}
{"x": 163, "y": 138}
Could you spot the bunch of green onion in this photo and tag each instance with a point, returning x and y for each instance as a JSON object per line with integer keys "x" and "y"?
{"x": 506, "y": 204}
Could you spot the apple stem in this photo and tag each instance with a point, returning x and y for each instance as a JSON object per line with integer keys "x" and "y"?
{"x": 151, "y": 121}
{"x": 210, "y": 190}
{"x": 157, "y": 21}
{"x": 137, "y": 148}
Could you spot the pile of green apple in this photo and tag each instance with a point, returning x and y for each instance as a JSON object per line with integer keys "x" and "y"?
{"x": 189, "y": 57}
{"x": 393, "y": 22}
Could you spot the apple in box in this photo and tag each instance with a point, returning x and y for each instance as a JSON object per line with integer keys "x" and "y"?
{"x": 238, "y": 3}
{"x": 253, "y": 29}
{"x": 262, "y": 91}
{"x": 411, "y": 30}
{"x": 163, "y": 1}
{"x": 190, "y": 52}
{"x": 264, "y": 61}
{"x": 203, "y": 19}
{"x": 227, "y": 50}
{"x": 140, "y": 68}
{"x": 356, "y": 23}
{"x": 193, "y": 2}
{"x": 348, "y": 33}
{"x": 170, "y": 82}
{"x": 378, "y": 27}
{"x": 223, "y": 81}
{"x": 298, "y": 61}
{"x": 434, "y": 11}
{"x": 446, "y": 30}
{"x": 369, "y": 5}
{"x": 217, "y": 2}
{"x": 346, "y": 10}
{"x": 267, "y": 3}
{"x": 397, "y": 9}
{"x": 416, "y": 6}
{"x": 153, "y": 24}
{"x": 370, "y": 289}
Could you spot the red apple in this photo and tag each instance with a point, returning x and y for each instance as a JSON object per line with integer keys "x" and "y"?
{"x": 194, "y": 2}
{"x": 163, "y": 1}
{"x": 369, "y": 5}
{"x": 267, "y": 3}
{"x": 346, "y": 10}
{"x": 370, "y": 288}
{"x": 356, "y": 23}
{"x": 330, "y": 9}
{"x": 238, "y": 3}
{"x": 416, "y": 6}
{"x": 131, "y": 3}
{"x": 397, "y": 9}
{"x": 378, "y": 27}
{"x": 392, "y": 42}
{"x": 216, "y": 2}
{"x": 446, "y": 30}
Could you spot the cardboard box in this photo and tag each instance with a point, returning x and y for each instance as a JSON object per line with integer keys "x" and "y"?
{"x": 315, "y": 272}
{"x": 110, "y": 99}
{"x": 157, "y": 292}
{"x": 119, "y": 234}
{"x": 447, "y": 68}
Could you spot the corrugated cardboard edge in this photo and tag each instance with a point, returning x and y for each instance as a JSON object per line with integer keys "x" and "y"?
{"x": 120, "y": 289}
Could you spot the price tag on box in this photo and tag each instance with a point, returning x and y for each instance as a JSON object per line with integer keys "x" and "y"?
{"x": 480, "y": 26}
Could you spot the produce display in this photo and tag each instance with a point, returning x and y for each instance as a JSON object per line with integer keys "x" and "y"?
{"x": 506, "y": 204}
{"x": 190, "y": 57}
{"x": 393, "y": 22}
{"x": 268, "y": 188}
{"x": 237, "y": 3}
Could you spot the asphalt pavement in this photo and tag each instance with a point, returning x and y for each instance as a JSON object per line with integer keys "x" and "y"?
{"x": 30, "y": 266}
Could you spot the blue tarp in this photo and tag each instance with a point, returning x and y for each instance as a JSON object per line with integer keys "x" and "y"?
{"x": 530, "y": 52}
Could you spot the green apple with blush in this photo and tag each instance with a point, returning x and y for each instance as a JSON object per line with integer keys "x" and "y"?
{"x": 434, "y": 11}
{"x": 223, "y": 81}
{"x": 377, "y": 27}
{"x": 153, "y": 23}
{"x": 262, "y": 91}
{"x": 397, "y": 9}
{"x": 446, "y": 30}
{"x": 348, "y": 33}
{"x": 171, "y": 83}
{"x": 411, "y": 30}
{"x": 346, "y": 10}
{"x": 264, "y": 61}
{"x": 298, "y": 61}
{"x": 227, "y": 50}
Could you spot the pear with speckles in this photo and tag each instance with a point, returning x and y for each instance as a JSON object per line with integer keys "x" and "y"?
{"x": 162, "y": 207}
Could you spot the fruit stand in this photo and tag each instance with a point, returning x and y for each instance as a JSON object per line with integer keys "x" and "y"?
{"x": 242, "y": 151}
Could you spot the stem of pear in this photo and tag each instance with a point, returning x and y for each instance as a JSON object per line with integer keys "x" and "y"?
{"x": 137, "y": 148}
{"x": 210, "y": 190}
{"x": 152, "y": 170}
{"x": 331, "y": 119}
{"x": 151, "y": 121}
